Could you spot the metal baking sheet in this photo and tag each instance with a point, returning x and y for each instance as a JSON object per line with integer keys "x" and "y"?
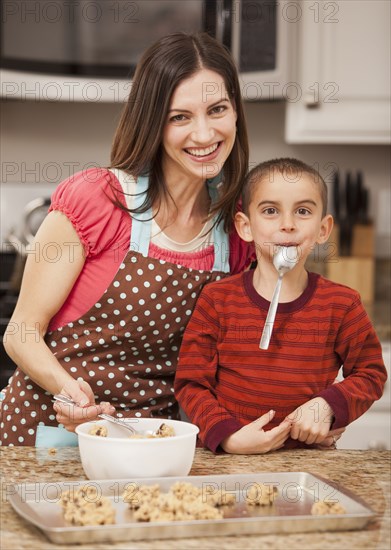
{"x": 38, "y": 503}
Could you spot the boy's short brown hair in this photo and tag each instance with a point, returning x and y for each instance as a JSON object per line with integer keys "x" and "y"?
{"x": 291, "y": 169}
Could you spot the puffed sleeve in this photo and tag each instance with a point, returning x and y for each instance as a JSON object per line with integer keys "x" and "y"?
{"x": 88, "y": 198}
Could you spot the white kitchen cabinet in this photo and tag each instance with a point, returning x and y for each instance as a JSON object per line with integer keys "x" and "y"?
{"x": 341, "y": 67}
{"x": 369, "y": 432}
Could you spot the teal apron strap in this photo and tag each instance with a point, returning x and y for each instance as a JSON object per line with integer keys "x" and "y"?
{"x": 220, "y": 237}
{"x": 221, "y": 246}
{"x": 141, "y": 223}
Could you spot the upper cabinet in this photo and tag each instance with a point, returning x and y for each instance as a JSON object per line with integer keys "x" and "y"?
{"x": 341, "y": 66}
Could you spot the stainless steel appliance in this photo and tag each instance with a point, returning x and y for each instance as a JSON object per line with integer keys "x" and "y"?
{"x": 104, "y": 39}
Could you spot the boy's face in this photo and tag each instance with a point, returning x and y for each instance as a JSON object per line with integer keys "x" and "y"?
{"x": 284, "y": 212}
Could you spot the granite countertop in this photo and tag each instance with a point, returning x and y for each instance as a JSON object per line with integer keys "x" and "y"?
{"x": 366, "y": 473}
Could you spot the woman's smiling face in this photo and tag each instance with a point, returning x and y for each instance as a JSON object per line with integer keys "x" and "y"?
{"x": 200, "y": 129}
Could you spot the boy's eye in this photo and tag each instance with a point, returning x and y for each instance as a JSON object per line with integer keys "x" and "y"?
{"x": 270, "y": 210}
{"x": 303, "y": 211}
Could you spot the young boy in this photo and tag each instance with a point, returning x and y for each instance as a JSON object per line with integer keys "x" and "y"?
{"x": 250, "y": 400}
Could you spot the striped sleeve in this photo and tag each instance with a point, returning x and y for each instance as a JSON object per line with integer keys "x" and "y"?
{"x": 364, "y": 372}
{"x": 195, "y": 380}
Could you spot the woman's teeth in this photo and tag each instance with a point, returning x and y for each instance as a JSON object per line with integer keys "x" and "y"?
{"x": 202, "y": 152}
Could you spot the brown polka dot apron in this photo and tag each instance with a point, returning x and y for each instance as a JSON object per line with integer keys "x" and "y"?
{"x": 126, "y": 346}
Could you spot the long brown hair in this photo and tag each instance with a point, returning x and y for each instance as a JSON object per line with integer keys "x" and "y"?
{"x": 137, "y": 146}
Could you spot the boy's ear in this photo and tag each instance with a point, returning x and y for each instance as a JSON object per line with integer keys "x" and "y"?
{"x": 242, "y": 224}
{"x": 326, "y": 227}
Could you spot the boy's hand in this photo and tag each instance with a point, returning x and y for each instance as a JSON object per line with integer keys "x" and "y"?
{"x": 252, "y": 439}
{"x": 330, "y": 441}
{"x": 311, "y": 421}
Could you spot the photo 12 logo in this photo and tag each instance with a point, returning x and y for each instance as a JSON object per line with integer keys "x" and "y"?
{"x": 70, "y": 11}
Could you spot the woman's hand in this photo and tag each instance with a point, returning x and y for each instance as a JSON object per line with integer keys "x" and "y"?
{"x": 252, "y": 439}
{"x": 311, "y": 421}
{"x": 81, "y": 393}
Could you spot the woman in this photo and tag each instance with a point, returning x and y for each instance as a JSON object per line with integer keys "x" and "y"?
{"x": 136, "y": 243}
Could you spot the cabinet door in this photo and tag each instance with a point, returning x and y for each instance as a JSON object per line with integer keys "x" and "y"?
{"x": 342, "y": 69}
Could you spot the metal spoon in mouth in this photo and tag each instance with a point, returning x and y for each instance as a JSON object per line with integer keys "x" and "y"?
{"x": 285, "y": 259}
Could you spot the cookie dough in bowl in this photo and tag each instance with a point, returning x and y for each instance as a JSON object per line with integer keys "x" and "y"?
{"x": 117, "y": 455}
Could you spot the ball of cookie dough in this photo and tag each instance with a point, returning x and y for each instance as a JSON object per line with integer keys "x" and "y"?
{"x": 135, "y": 496}
{"x": 324, "y": 507}
{"x": 98, "y": 430}
{"x": 86, "y": 507}
{"x": 183, "y": 502}
{"x": 165, "y": 431}
{"x": 260, "y": 495}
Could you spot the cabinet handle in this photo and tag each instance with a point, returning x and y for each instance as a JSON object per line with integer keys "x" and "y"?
{"x": 223, "y": 21}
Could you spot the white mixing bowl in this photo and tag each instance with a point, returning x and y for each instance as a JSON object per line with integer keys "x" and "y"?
{"x": 118, "y": 456}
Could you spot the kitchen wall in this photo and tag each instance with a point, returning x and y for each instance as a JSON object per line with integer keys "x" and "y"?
{"x": 44, "y": 142}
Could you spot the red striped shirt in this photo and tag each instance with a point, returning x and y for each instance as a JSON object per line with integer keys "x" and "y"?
{"x": 224, "y": 381}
